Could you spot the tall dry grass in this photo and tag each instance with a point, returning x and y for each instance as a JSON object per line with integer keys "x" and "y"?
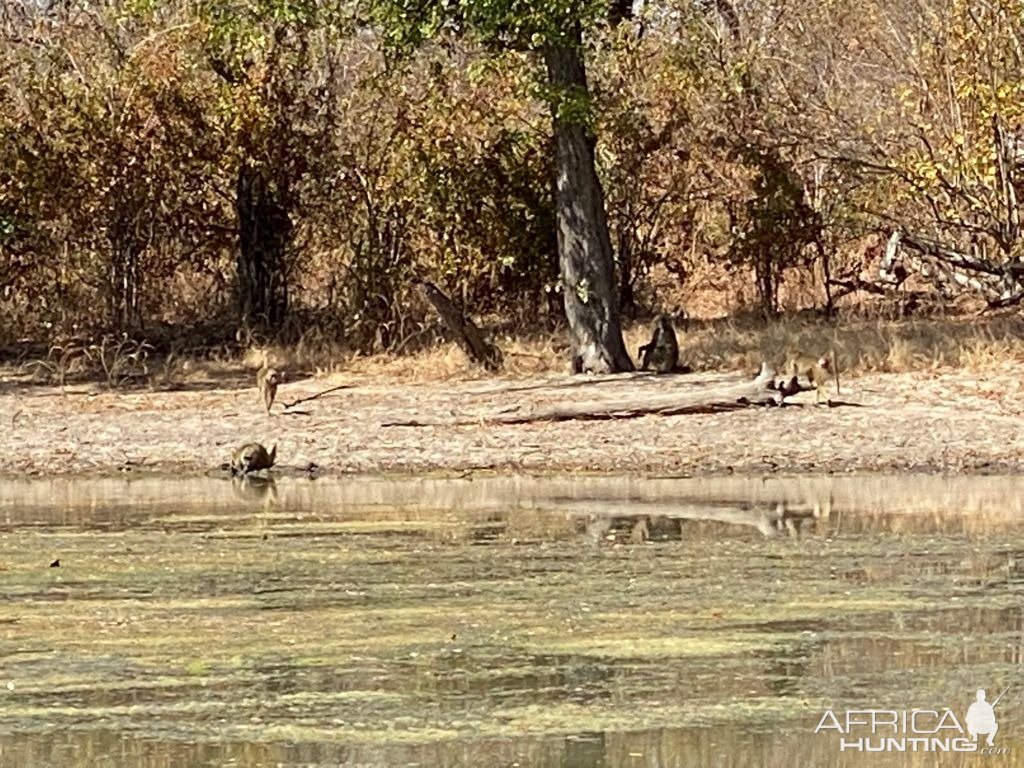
{"x": 973, "y": 344}
{"x": 861, "y": 346}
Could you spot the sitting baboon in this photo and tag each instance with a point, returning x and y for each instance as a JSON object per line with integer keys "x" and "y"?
{"x": 661, "y": 353}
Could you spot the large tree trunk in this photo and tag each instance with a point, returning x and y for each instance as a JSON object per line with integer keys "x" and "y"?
{"x": 265, "y": 232}
{"x": 584, "y": 245}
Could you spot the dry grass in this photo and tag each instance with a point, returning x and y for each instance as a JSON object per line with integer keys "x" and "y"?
{"x": 524, "y": 356}
{"x": 971, "y": 344}
{"x": 975, "y": 345}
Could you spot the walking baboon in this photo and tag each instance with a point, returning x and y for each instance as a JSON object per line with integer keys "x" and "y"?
{"x": 267, "y": 380}
{"x": 818, "y": 370}
{"x": 661, "y": 353}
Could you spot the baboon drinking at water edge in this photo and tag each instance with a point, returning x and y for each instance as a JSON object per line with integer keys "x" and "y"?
{"x": 252, "y": 457}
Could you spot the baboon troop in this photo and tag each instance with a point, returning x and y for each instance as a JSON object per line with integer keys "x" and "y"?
{"x": 661, "y": 353}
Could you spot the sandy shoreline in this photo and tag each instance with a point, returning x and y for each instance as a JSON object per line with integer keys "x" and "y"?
{"x": 921, "y": 422}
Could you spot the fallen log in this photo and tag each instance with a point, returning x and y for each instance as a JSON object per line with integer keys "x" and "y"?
{"x": 740, "y": 395}
{"x": 763, "y": 390}
{"x": 945, "y": 266}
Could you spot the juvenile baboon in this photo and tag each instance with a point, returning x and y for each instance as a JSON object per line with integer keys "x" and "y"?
{"x": 267, "y": 380}
{"x": 252, "y": 457}
{"x": 661, "y": 353}
{"x": 818, "y": 370}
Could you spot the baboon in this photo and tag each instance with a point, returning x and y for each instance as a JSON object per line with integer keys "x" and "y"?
{"x": 252, "y": 457}
{"x": 661, "y": 353}
{"x": 818, "y": 370}
{"x": 267, "y": 380}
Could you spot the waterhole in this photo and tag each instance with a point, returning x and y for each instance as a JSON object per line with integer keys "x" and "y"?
{"x": 501, "y": 621}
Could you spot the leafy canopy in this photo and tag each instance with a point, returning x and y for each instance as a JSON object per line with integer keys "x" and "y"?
{"x": 512, "y": 24}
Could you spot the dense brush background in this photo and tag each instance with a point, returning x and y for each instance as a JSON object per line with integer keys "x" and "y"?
{"x": 740, "y": 171}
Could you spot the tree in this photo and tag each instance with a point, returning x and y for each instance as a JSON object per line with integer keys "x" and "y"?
{"x": 551, "y": 32}
{"x": 102, "y": 159}
{"x": 274, "y": 105}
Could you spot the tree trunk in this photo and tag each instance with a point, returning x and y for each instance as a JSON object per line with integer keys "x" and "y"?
{"x": 584, "y": 245}
{"x": 128, "y": 240}
{"x": 265, "y": 232}
{"x": 462, "y": 328}
{"x": 627, "y": 297}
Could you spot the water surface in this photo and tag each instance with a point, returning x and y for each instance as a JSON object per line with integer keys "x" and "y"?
{"x": 572, "y": 621}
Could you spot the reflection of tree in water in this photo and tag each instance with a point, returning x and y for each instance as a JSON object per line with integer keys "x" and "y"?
{"x": 907, "y": 641}
{"x": 722, "y": 744}
{"x": 488, "y": 530}
{"x": 488, "y": 677}
{"x": 640, "y": 521}
{"x": 584, "y": 750}
{"x": 1003, "y": 569}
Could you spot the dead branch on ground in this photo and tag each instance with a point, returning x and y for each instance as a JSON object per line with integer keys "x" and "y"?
{"x": 316, "y": 396}
{"x": 763, "y": 390}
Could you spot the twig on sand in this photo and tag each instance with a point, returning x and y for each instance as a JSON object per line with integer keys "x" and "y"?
{"x": 293, "y": 403}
